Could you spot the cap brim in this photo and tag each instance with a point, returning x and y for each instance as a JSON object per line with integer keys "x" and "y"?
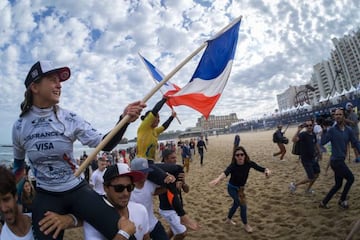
{"x": 64, "y": 73}
{"x": 136, "y": 175}
{"x": 146, "y": 170}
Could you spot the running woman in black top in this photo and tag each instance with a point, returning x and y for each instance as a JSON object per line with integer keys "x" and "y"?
{"x": 239, "y": 170}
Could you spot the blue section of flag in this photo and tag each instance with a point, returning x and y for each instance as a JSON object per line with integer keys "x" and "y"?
{"x": 156, "y": 74}
{"x": 218, "y": 53}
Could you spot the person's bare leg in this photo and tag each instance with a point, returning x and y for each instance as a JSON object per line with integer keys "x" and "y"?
{"x": 311, "y": 182}
{"x": 190, "y": 223}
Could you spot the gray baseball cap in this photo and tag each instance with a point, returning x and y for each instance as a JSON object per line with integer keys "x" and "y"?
{"x": 140, "y": 164}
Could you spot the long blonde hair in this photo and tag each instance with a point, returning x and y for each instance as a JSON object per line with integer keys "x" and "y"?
{"x": 27, "y": 103}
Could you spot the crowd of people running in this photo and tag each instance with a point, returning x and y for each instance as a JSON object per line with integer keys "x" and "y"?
{"x": 43, "y": 199}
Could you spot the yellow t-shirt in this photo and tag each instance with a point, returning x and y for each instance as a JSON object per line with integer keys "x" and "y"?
{"x": 147, "y": 138}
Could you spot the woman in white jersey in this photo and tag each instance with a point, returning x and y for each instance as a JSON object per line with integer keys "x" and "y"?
{"x": 45, "y": 133}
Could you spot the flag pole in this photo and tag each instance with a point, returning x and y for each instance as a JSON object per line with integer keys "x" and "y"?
{"x": 126, "y": 119}
{"x": 123, "y": 121}
{"x": 227, "y": 27}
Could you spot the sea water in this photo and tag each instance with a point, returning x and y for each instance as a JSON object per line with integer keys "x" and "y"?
{"x": 7, "y": 157}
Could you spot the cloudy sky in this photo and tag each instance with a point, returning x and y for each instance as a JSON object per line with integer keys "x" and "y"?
{"x": 279, "y": 42}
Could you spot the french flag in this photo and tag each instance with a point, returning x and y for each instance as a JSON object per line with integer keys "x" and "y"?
{"x": 212, "y": 73}
{"x": 168, "y": 88}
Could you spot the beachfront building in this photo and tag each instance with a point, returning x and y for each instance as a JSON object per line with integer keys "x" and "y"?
{"x": 332, "y": 81}
{"x": 286, "y": 100}
{"x": 216, "y": 122}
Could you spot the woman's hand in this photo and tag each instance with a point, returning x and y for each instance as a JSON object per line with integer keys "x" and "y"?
{"x": 267, "y": 172}
{"x": 214, "y": 182}
{"x": 133, "y": 110}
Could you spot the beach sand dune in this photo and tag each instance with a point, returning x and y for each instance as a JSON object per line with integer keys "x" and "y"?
{"x": 273, "y": 212}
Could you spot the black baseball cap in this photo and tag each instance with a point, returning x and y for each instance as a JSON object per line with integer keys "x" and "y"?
{"x": 42, "y": 68}
{"x": 121, "y": 169}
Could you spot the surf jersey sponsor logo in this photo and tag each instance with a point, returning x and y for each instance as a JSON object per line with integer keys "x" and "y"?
{"x": 52, "y": 170}
{"x": 71, "y": 117}
{"x": 44, "y": 146}
{"x": 43, "y": 135}
{"x": 41, "y": 121}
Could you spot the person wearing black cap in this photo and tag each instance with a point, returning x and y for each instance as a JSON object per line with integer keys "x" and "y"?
{"x": 45, "y": 133}
{"x": 118, "y": 186}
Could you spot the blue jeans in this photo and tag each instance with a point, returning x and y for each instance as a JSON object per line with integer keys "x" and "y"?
{"x": 233, "y": 192}
{"x": 341, "y": 171}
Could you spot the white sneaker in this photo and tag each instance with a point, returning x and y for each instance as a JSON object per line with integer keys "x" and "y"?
{"x": 248, "y": 228}
{"x": 229, "y": 221}
{"x": 309, "y": 192}
{"x": 292, "y": 187}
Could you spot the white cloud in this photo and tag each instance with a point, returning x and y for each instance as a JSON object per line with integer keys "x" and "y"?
{"x": 279, "y": 42}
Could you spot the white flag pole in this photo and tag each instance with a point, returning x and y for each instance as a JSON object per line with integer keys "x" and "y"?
{"x": 126, "y": 119}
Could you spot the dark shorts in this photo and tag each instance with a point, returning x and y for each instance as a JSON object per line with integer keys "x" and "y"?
{"x": 83, "y": 202}
{"x": 311, "y": 167}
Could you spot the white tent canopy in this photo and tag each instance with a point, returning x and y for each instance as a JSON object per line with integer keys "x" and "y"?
{"x": 322, "y": 99}
{"x": 344, "y": 92}
{"x": 336, "y": 95}
{"x": 352, "y": 89}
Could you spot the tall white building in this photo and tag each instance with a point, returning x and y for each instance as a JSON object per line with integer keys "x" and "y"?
{"x": 337, "y": 75}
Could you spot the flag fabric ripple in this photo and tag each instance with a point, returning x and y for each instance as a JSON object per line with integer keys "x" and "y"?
{"x": 168, "y": 88}
{"x": 211, "y": 75}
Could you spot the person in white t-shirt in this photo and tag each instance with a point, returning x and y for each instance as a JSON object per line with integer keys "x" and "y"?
{"x": 144, "y": 193}
{"x": 118, "y": 185}
{"x": 96, "y": 180}
{"x": 318, "y": 132}
{"x": 18, "y": 225}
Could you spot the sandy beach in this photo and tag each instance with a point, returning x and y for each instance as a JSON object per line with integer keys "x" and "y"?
{"x": 273, "y": 212}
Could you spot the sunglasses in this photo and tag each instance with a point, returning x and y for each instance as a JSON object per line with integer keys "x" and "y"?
{"x": 309, "y": 125}
{"x": 240, "y": 154}
{"x": 120, "y": 188}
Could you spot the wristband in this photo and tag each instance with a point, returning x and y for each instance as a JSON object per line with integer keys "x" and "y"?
{"x": 124, "y": 234}
{"x": 74, "y": 219}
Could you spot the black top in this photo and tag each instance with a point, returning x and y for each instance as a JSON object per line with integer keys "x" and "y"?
{"x": 240, "y": 173}
{"x": 307, "y": 144}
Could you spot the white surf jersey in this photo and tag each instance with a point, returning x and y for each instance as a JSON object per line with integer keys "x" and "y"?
{"x": 47, "y": 140}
